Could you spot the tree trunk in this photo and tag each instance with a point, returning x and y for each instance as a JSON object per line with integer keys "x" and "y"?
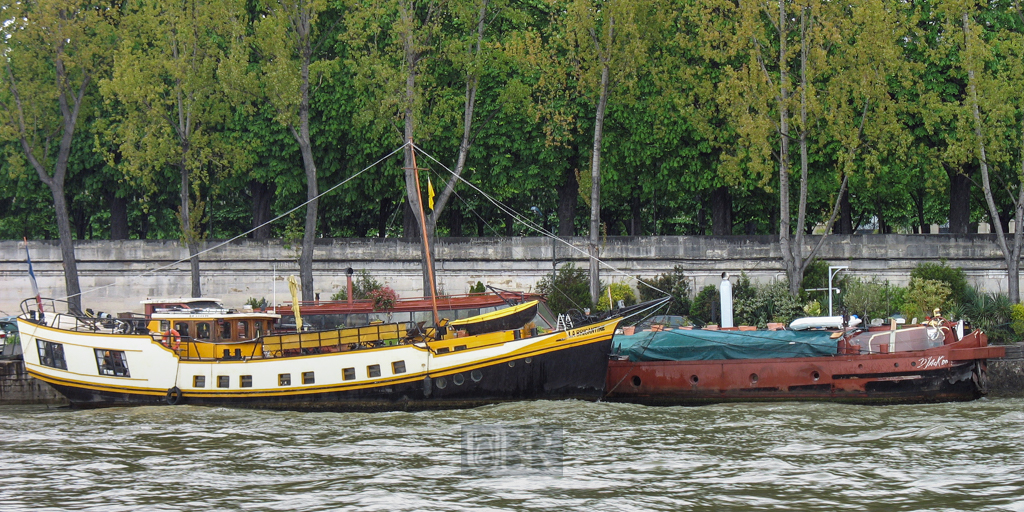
{"x": 784, "y": 217}
{"x": 309, "y": 229}
{"x": 845, "y": 224}
{"x": 67, "y": 249}
{"x": 568, "y": 194}
{"x": 383, "y": 213}
{"x": 187, "y": 233}
{"x": 959, "y": 200}
{"x": 721, "y": 211}
{"x": 595, "y": 185}
{"x": 262, "y": 195}
{"x": 635, "y": 227}
{"x": 118, "y": 217}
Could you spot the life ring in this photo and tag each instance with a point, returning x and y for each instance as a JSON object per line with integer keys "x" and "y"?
{"x": 174, "y": 396}
{"x": 172, "y": 339}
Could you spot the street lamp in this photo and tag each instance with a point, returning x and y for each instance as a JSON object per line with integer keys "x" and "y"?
{"x": 832, "y": 271}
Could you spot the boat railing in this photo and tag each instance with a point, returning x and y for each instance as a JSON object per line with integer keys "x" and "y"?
{"x": 54, "y": 315}
{"x": 338, "y": 340}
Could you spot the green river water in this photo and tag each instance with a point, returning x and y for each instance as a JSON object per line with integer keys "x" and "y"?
{"x": 614, "y": 457}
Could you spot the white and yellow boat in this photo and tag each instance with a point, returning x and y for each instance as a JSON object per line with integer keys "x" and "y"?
{"x": 201, "y": 353}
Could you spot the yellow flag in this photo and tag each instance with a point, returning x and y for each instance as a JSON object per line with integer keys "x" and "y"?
{"x": 430, "y": 193}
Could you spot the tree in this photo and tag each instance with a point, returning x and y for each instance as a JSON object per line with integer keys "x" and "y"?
{"x": 994, "y": 108}
{"x": 54, "y": 51}
{"x": 165, "y": 78}
{"x": 285, "y": 44}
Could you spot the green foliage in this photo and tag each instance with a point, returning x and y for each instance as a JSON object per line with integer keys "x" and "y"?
{"x": 866, "y": 299}
{"x": 1017, "y": 319}
{"x": 362, "y": 286}
{"x": 770, "y": 303}
{"x": 813, "y": 308}
{"x": 675, "y": 284}
{"x": 990, "y": 312}
{"x": 477, "y": 288}
{"x": 619, "y": 291}
{"x": 954, "y": 277}
{"x": 923, "y": 296}
{"x": 705, "y": 305}
{"x": 570, "y": 289}
{"x": 257, "y": 303}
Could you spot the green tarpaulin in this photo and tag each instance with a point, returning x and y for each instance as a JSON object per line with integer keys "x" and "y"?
{"x": 696, "y": 345}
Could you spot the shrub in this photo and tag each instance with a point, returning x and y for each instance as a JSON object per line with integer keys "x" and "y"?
{"x": 705, "y": 305}
{"x": 257, "y": 303}
{"x": 770, "y": 303}
{"x": 619, "y": 291}
{"x": 816, "y": 276}
{"x": 675, "y": 284}
{"x": 361, "y": 287}
{"x": 924, "y": 295}
{"x": 1017, "y": 319}
{"x": 570, "y": 289}
{"x": 990, "y": 312}
{"x": 866, "y": 299}
{"x": 953, "y": 277}
{"x": 477, "y": 288}
{"x": 383, "y": 298}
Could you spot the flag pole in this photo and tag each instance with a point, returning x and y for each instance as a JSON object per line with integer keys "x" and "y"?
{"x": 35, "y": 286}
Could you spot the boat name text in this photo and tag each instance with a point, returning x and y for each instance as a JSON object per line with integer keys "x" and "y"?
{"x": 585, "y": 332}
{"x": 932, "y": 362}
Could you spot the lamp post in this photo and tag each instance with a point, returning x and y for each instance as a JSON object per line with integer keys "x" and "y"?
{"x": 832, "y": 271}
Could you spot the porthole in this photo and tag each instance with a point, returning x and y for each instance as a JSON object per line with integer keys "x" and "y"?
{"x": 753, "y": 379}
{"x": 913, "y": 363}
{"x": 529, "y": 360}
{"x": 636, "y": 380}
{"x": 476, "y": 375}
{"x": 458, "y": 379}
{"x": 815, "y": 375}
{"x": 441, "y": 382}
{"x": 694, "y": 379}
{"x": 896, "y": 365}
{"x": 511, "y": 364}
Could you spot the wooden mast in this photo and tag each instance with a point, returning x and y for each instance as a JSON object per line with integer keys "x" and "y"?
{"x": 426, "y": 243}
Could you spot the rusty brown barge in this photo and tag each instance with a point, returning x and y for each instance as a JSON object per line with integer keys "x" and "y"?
{"x": 878, "y": 365}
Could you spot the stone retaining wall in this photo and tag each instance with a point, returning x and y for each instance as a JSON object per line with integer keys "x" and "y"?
{"x": 116, "y": 275}
{"x": 17, "y": 387}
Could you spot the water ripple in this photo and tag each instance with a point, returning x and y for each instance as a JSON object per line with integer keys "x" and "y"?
{"x": 615, "y": 457}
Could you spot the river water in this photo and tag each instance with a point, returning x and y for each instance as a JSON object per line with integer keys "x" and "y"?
{"x": 790, "y": 456}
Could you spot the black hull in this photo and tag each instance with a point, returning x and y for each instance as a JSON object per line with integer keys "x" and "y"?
{"x": 572, "y": 373}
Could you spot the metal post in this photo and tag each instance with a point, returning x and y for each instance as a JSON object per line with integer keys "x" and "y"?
{"x": 832, "y": 271}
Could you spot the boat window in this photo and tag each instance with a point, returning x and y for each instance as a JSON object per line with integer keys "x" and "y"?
{"x": 348, "y": 374}
{"x": 307, "y": 378}
{"x": 199, "y": 381}
{"x": 165, "y": 325}
{"x": 460, "y": 347}
{"x": 112, "y": 363}
{"x": 443, "y": 350}
{"x": 51, "y": 354}
{"x": 243, "y": 332}
{"x": 398, "y": 367}
{"x": 245, "y": 381}
{"x": 373, "y": 370}
{"x": 258, "y": 330}
{"x": 225, "y": 331}
{"x": 203, "y": 330}
{"x": 284, "y": 379}
{"x": 223, "y": 381}
{"x": 182, "y": 329}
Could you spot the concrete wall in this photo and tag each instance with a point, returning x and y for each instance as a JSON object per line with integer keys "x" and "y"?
{"x": 116, "y": 275}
